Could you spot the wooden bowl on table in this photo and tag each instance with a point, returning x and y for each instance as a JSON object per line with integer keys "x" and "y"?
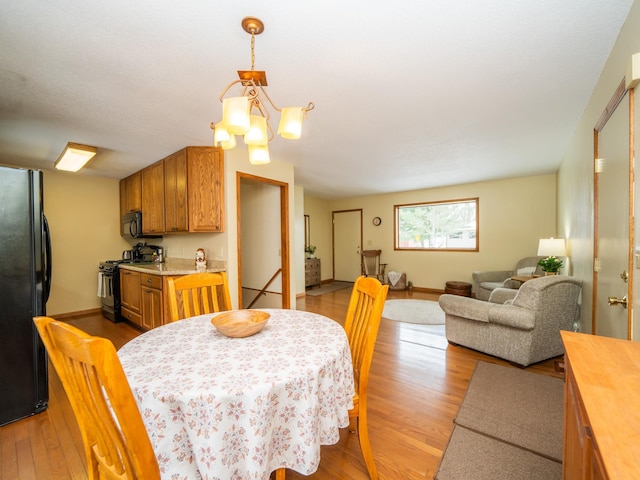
{"x": 240, "y": 323}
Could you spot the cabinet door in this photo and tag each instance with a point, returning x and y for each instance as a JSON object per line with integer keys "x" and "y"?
{"x": 175, "y": 192}
{"x": 132, "y": 194}
{"x": 130, "y": 290}
{"x": 205, "y": 171}
{"x": 153, "y": 199}
{"x": 151, "y": 307}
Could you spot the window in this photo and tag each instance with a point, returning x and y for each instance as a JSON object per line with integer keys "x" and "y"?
{"x": 450, "y": 225}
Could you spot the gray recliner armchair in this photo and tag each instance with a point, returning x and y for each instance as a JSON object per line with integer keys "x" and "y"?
{"x": 525, "y": 329}
{"x": 485, "y": 282}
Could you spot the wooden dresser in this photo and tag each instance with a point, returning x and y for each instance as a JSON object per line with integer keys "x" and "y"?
{"x": 312, "y": 272}
{"x": 602, "y": 407}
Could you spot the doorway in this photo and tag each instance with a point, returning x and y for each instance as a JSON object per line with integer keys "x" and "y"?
{"x": 347, "y": 242}
{"x": 612, "y": 311}
{"x": 263, "y": 242}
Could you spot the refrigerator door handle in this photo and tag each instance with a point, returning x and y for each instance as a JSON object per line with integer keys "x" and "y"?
{"x": 47, "y": 269}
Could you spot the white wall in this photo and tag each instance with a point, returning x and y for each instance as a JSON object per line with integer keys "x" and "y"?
{"x": 84, "y": 217}
{"x": 575, "y": 176}
{"x": 320, "y": 229}
{"x": 237, "y": 160}
{"x": 514, "y": 215}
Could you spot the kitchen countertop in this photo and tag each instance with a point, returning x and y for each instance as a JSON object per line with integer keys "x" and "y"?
{"x": 174, "y": 266}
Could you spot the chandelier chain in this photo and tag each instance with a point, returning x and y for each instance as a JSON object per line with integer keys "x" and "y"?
{"x": 253, "y": 54}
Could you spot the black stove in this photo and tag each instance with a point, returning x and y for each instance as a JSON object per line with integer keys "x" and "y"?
{"x": 109, "y": 290}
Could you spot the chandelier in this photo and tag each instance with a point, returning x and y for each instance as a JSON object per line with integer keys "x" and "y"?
{"x": 248, "y": 115}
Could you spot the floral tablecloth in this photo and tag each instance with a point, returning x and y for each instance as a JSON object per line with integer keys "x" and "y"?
{"x": 239, "y": 408}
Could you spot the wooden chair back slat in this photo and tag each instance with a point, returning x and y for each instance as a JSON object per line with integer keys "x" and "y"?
{"x": 197, "y": 294}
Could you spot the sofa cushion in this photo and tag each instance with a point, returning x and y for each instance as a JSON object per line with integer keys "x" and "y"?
{"x": 502, "y": 295}
{"x": 492, "y": 285}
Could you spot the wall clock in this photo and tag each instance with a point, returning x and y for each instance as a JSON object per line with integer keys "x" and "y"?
{"x": 377, "y": 221}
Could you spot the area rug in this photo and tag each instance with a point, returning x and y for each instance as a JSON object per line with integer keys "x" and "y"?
{"x": 426, "y": 312}
{"x": 328, "y": 288}
{"x": 516, "y": 406}
{"x": 473, "y": 456}
{"x": 509, "y": 426}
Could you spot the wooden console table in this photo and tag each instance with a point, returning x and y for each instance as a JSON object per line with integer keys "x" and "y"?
{"x": 602, "y": 407}
{"x": 524, "y": 278}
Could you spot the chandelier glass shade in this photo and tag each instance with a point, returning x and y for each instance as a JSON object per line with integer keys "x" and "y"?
{"x": 248, "y": 114}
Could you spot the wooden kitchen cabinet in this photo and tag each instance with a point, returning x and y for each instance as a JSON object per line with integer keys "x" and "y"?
{"x": 151, "y": 299}
{"x": 153, "y": 199}
{"x": 184, "y": 192}
{"x": 175, "y": 192}
{"x": 131, "y": 194}
{"x": 130, "y": 301}
{"x": 205, "y": 176}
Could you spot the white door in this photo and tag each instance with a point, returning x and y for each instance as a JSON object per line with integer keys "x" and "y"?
{"x": 347, "y": 241}
{"x": 612, "y": 172}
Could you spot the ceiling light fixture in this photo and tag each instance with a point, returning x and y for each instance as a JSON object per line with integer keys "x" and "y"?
{"x": 248, "y": 115}
{"x": 74, "y": 157}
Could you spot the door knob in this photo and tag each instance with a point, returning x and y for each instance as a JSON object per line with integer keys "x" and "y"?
{"x": 618, "y": 301}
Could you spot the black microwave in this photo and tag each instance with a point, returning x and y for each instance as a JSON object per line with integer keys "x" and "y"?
{"x": 132, "y": 226}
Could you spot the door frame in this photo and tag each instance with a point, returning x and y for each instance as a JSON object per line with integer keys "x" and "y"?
{"x": 616, "y": 99}
{"x": 284, "y": 233}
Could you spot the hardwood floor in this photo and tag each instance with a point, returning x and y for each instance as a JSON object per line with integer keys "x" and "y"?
{"x": 416, "y": 386}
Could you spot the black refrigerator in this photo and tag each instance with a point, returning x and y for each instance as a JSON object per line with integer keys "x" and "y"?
{"x": 25, "y": 280}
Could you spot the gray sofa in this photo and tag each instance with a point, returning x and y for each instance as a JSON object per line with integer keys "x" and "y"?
{"x": 487, "y": 281}
{"x": 523, "y": 330}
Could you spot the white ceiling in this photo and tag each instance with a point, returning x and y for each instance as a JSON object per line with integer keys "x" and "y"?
{"x": 409, "y": 95}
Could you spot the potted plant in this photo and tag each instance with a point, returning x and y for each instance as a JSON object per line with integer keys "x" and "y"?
{"x": 310, "y": 250}
{"x": 551, "y": 265}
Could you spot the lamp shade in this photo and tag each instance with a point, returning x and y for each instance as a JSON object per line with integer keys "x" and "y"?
{"x": 235, "y": 115}
{"x": 290, "y": 123}
{"x": 257, "y": 134}
{"x": 222, "y": 137}
{"x": 220, "y": 134}
{"x": 74, "y": 157}
{"x": 551, "y": 247}
{"x": 259, "y": 155}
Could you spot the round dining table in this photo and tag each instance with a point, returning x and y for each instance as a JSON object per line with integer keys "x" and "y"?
{"x": 217, "y": 407}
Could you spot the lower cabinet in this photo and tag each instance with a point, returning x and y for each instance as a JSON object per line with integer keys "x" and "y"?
{"x": 130, "y": 296}
{"x": 151, "y": 301}
{"x": 142, "y": 299}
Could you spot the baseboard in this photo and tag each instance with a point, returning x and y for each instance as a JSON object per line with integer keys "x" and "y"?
{"x": 80, "y": 313}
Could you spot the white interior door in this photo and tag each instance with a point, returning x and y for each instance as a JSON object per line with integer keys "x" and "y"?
{"x": 347, "y": 241}
{"x": 612, "y": 171}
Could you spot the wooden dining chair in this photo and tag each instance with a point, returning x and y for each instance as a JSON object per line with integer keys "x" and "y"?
{"x": 197, "y": 294}
{"x": 361, "y": 324}
{"x": 116, "y": 442}
{"x": 371, "y": 266}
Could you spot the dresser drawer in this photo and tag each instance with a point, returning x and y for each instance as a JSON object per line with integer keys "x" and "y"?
{"x": 312, "y": 272}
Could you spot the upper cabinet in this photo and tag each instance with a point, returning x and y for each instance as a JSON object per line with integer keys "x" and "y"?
{"x": 175, "y": 192}
{"x": 205, "y": 177}
{"x": 184, "y": 192}
{"x": 153, "y": 199}
{"x": 131, "y": 193}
